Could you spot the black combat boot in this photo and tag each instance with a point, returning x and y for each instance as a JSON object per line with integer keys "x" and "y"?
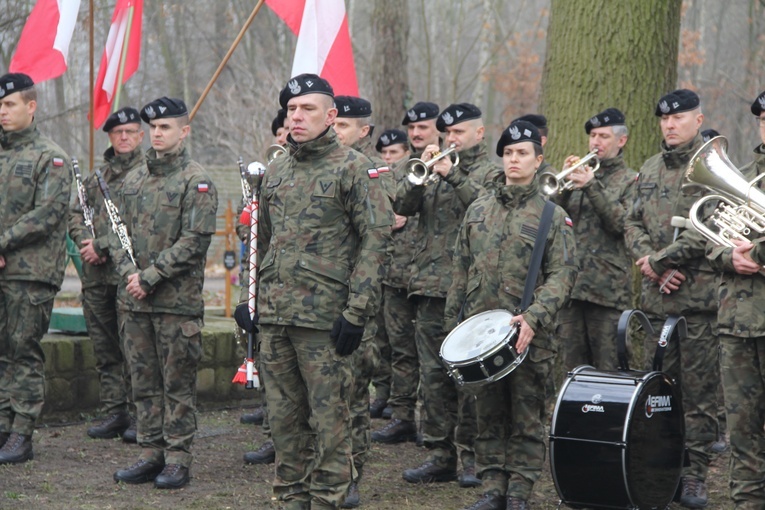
{"x": 4, "y": 437}
{"x": 397, "y": 431}
{"x": 140, "y": 472}
{"x": 266, "y": 454}
{"x": 387, "y": 413}
{"x": 254, "y": 418}
{"x": 376, "y": 407}
{"x": 110, "y": 427}
{"x": 131, "y": 433}
{"x": 429, "y": 472}
{"x": 488, "y": 502}
{"x": 174, "y": 476}
{"x": 352, "y": 497}
{"x": 694, "y": 493}
{"x": 17, "y": 449}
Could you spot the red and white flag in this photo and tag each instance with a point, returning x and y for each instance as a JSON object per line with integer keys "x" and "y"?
{"x": 44, "y": 43}
{"x": 324, "y": 43}
{"x": 125, "y": 28}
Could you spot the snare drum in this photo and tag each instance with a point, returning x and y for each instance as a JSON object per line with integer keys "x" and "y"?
{"x": 616, "y": 439}
{"x": 482, "y": 348}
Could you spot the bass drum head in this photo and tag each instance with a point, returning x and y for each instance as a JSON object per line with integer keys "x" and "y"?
{"x": 655, "y": 443}
{"x": 476, "y": 336}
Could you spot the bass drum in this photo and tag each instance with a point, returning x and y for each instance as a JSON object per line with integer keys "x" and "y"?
{"x": 617, "y": 439}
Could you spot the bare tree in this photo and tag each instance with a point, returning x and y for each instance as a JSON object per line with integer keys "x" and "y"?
{"x": 390, "y": 26}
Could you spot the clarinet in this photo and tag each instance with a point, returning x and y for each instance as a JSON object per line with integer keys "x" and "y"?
{"x": 82, "y": 195}
{"x": 118, "y": 226}
{"x": 246, "y": 189}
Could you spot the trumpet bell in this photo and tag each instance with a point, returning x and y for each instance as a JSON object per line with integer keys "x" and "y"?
{"x": 274, "y": 152}
{"x": 548, "y": 183}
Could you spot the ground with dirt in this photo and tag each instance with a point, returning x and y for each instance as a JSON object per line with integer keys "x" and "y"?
{"x": 72, "y": 471}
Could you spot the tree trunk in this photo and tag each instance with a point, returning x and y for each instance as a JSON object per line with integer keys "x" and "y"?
{"x": 390, "y": 29}
{"x": 604, "y": 54}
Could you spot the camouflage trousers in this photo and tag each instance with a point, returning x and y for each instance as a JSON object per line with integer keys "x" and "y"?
{"x": 399, "y": 314}
{"x": 309, "y": 388}
{"x": 163, "y": 353}
{"x": 511, "y": 417}
{"x": 695, "y": 365}
{"x": 99, "y": 306}
{"x": 743, "y": 374}
{"x": 365, "y": 361}
{"x": 449, "y": 422}
{"x": 587, "y": 334}
{"x": 382, "y": 375}
{"x": 25, "y": 311}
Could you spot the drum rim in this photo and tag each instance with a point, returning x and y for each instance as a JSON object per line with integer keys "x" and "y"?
{"x": 488, "y": 353}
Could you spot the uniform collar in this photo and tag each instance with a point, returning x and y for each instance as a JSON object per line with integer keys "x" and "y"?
{"x": 512, "y": 196}
{"x": 123, "y": 162}
{"x": 320, "y": 146}
{"x": 678, "y": 157}
{"x": 610, "y": 165}
{"x": 362, "y": 145}
{"x": 11, "y": 139}
{"x": 470, "y": 156}
{"x": 168, "y": 164}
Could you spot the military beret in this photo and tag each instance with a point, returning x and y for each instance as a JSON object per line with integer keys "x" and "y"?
{"x": 127, "y": 115}
{"x": 421, "y": 111}
{"x": 708, "y": 134}
{"x": 608, "y": 117}
{"x": 539, "y": 121}
{"x": 352, "y": 107}
{"x": 456, "y": 113}
{"x": 164, "y": 108}
{"x": 303, "y": 84}
{"x": 390, "y": 137}
{"x": 677, "y": 101}
{"x": 518, "y": 131}
{"x": 278, "y": 121}
{"x": 14, "y": 82}
{"x": 759, "y": 105}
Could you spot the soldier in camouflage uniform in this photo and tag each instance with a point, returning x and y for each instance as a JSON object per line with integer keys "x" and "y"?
{"x": 169, "y": 208}
{"x": 540, "y": 122}
{"x": 35, "y": 176}
{"x": 100, "y": 280}
{"x": 324, "y": 232}
{"x": 690, "y": 291}
{"x": 742, "y": 338}
{"x": 598, "y": 205}
{"x": 420, "y": 122}
{"x": 441, "y": 206}
{"x": 491, "y": 260}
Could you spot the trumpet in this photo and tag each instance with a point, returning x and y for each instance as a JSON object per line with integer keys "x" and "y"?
{"x": 274, "y": 152}
{"x": 552, "y": 184}
{"x": 418, "y": 171}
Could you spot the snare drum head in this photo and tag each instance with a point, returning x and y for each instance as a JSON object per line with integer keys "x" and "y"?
{"x": 477, "y": 335}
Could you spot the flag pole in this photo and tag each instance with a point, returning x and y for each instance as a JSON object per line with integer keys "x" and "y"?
{"x": 91, "y": 108}
{"x": 123, "y": 58}
{"x": 226, "y": 58}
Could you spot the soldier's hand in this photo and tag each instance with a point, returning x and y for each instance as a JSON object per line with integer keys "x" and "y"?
{"x": 570, "y": 161}
{"x": 431, "y": 149}
{"x": 347, "y": 336}
{"x": 243, "y": 318}
{"x": 89, "y": 255}
{"x": 134, "y": 287}
{"x": 742, "y": 259}
{"x": 2, "y": 261}
{"x": 400, "y": 222}
{"x": 646, "y": 269}
{"x": 670, "y": 281}
{"x": 525, "y": 333}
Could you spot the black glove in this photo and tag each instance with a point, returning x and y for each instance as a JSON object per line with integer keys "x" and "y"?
{"x": 347, "y": 336}
{"x": 243, "y": 319}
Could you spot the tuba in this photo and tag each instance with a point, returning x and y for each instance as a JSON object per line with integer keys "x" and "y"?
{"x": 274, "y": 152}
{"x": 418, "y": 171}
{"x": 551, "y": 184}
{"x": 740, "y": 211}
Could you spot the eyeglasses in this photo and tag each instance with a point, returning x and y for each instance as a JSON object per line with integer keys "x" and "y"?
{"x": 120, "y": 132}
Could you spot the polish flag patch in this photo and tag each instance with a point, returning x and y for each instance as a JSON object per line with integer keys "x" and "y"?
{"x": 383, "y": 169}
{"x": 203, "y": 187}
{"x": 373, "y": 174}
{"x": 58, "y": 162}
{"x": 569, "y": 222}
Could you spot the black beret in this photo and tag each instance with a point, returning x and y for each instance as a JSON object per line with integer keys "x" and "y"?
{"x": 164, "y": 108}
{"x": 352, "y": 107}
{"x": 456, "y": 113}
{"x": 708, "y": 134}
{"x": 278, "y": 121}
{"x": 390, "y": 137}
{"x": 303, "y": 84}
{"x": 677, "y": 101}
{"x": 421, "y": 111}
{"x": 539, "y": 121}
{"x": 14, "y": 82}
{"x": 608, "y": 117}
{"x": 518, "y": 131}
{"x": 127, "y": 115}
{"x": 759, "y": 105}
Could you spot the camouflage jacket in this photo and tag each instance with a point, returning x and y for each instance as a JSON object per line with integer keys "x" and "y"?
{"x": 324, "y": 231}
{"x": 404, "y": 242}
{"x": 493, "y": 252}
{"x": 169, "y": 208}
{"x": 114, "y": 172}
{"x": 598, "y": 211}
{"x": 364, "y": 146}
{"x": 441, "y": 207}
{"x": 740, "y": 312}
{"x": 657, "y": 197}
{"x": 36, "y": 180}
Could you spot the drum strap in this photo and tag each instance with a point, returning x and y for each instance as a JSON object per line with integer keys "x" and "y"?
{"x": 675, "y": 327}
{"x": 622, "y": 331}
{"x": 536, "y": 256}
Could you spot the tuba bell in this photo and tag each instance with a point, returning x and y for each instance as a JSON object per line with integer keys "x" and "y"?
{"x": 418, "y": 172}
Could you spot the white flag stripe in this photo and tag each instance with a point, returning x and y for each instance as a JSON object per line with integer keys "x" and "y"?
{"x": 114, "y": 42}
{"x": 319, "y": 27}
{"x": 67, "y": 19}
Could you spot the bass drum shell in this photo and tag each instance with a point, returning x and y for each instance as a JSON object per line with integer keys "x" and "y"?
{"x": 617, "y": 439}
